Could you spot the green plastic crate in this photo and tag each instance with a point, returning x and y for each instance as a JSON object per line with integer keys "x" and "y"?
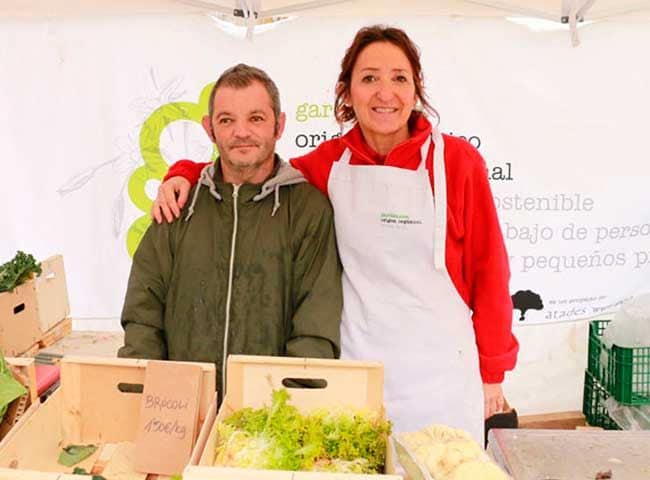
{"x": 593, "y": 404}
{"x": 624, "y": 372}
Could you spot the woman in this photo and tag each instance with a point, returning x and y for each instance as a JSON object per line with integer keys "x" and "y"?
{"x": 425, "y": 268}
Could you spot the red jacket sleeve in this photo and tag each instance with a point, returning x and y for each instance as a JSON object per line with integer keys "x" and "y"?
{"x": 187, "y": 169}
{"x": 317, "y": 164}
{"x": 486, "y": 269}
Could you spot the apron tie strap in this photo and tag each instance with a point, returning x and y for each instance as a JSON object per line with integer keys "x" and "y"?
{"x": 439, "y": 200}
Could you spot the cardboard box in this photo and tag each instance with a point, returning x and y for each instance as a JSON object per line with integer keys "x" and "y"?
{"x": 97, "y": 403}
{"x": 250, "y": 382}
{"x": 33, "y": 308}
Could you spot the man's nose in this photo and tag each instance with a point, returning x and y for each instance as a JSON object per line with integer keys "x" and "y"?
{"x": 241, "y": 130}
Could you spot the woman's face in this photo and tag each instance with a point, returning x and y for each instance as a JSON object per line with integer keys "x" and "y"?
{"x": 382, "y": 93}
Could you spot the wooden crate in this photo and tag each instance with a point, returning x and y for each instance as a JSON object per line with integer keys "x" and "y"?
{"x": 250, "y": 382}
{"x": 6, "y": 474}
{"x": 24, "y": 371}
{"x": 553, "y": 421}
{"x": 88, "y": 408}
{"x": 31, "y": 310}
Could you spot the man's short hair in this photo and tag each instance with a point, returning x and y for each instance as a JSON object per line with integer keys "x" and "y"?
{"x": 242, "y": 76}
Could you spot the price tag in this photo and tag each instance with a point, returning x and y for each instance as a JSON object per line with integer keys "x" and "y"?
{"x": 168, "y": 416}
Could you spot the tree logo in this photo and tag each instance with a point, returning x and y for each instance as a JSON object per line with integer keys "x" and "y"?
{"x": 155, "y": 166}
{"x": 525, "y": 300}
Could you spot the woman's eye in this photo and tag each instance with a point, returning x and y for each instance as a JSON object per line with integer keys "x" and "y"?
{"x": 368, "y": 78}
{"x": 402, "y": 79}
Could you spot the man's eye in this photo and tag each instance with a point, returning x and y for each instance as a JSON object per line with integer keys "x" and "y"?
{"x": 224, "y": 121}
{"x": 257, "y": 119}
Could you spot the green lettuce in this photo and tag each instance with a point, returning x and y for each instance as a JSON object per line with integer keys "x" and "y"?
{"x": 279, "y": 437}
{"x": 10, "y": 388}
{"x": 73, "y": 454}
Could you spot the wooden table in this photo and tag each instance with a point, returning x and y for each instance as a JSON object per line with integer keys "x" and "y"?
{"x": 571, "y": 454}
{"x": 82, "y": 343}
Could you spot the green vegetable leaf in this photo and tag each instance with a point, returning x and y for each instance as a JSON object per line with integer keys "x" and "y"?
{"x": 18, "y": 270}
{"x": 73, "y": 454}
{"x": 279, "y": 437}
{"x": 10, "y": 388}
{"x": 82, "y": 471}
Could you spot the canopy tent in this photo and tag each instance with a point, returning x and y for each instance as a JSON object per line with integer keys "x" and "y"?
{"x": 548, "y": 9}
{"x": 570, "y": 12}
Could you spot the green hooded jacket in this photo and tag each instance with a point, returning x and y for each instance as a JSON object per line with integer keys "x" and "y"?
{"x": 246, "y": 270}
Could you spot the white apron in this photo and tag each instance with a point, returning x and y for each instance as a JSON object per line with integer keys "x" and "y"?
{"x": 400, "y": 306}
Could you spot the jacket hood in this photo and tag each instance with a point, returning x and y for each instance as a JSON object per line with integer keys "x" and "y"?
{"x": 283, "y": 175}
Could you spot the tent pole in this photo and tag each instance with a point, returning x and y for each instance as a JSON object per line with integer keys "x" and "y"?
{"x": 586, "y": 6}
{"x": 572, "y": 13}
{"x": 568, "y": 5}
{"x": 257, "y": 7}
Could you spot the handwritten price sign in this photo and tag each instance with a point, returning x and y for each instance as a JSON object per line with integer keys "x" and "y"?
{"x": 168, "y": 417}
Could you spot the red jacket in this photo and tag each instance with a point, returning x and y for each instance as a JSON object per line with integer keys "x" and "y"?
{"x": 475, "y": 252}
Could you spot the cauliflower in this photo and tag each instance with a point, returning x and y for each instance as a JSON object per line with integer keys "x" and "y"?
{"x": 443, "y": 433}
{"x": 450, "y": 454}
{"x": 431, "y": 455}
{"x": 468, "y": 449}
{"x": 415, "y": 439}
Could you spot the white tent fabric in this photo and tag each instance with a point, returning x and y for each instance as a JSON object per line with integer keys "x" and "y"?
{"x": 549, "y": 9}
{"x": 569, "y": 12}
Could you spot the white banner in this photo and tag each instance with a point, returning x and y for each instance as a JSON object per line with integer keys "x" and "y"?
{"x": 94, "y": 110}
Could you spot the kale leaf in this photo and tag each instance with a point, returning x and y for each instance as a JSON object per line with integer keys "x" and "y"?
{"x": 18, "y": 270}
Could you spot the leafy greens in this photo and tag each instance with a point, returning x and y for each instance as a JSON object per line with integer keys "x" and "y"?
{"x": 279, "y": 437}
{"x": 10, "y": 388}
{"x": 17, "y": 271}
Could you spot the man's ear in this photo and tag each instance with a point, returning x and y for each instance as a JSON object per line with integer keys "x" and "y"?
{"x": 207, "y": 126}
{"x": 279, "y": 125}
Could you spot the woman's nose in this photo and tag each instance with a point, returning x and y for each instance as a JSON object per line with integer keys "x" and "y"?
{"x": 385, "y": 91}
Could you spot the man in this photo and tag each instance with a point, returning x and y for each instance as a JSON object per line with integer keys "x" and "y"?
{"x": 252, "y": 268}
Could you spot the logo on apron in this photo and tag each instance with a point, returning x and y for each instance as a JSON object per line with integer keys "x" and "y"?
{"x": 397, "y": 220}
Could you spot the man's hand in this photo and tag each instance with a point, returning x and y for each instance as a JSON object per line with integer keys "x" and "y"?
{"x": 172, "y": 195}
{"x": 493, "y": 398}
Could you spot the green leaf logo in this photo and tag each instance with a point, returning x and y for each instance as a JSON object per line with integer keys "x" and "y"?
{"x": 155, "y": 166}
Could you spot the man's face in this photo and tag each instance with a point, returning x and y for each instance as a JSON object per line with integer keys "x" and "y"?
{"x": 243, "y": 126}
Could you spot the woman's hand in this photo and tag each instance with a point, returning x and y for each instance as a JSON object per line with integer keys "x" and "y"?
{"x": 167, "y": 203}
{"x": 493, "y": 398}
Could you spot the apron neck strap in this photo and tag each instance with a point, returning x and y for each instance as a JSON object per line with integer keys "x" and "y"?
{"x": 439, "y": 199}
{"x": 345, "y": 158}
{"x": 424, "y": 152}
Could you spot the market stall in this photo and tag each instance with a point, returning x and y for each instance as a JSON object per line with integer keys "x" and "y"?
{"x": 120, "y": 87}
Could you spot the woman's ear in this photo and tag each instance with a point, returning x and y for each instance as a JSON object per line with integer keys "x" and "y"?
{"x": 343, "y": 92}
